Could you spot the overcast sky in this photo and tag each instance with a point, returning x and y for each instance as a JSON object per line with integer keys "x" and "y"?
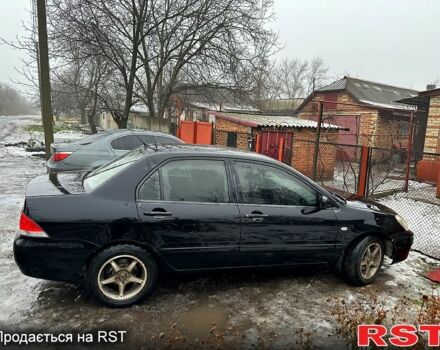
{"x": 390, "y": 41}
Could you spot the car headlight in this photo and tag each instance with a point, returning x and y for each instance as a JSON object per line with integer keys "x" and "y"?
{"x": 402, "y": 222}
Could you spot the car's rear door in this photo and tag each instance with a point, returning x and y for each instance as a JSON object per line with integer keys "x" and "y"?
{"x": 188, "y": 211}
{"x": 282, "y": 222}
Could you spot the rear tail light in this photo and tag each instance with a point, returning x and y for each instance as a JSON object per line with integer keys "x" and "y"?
{"x": 58, "y": 156}
{"x": 30, "y": 227}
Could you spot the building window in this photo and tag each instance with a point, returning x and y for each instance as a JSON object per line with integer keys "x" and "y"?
{"x": 231, "y": 140}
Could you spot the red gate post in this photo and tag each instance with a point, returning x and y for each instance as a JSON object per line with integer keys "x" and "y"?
{"x": 363, "y": 171}
{"x": 258, "y": 144}
{"x": 281, "y": 149}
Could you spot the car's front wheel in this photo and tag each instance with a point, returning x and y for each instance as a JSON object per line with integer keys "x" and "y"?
{"x": 363, "y": 260}
{"x": 121, "y": 275}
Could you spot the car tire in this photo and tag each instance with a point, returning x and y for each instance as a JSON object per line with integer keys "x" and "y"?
{"x": 121, "y": 276}
{"x": 363, "y": 260}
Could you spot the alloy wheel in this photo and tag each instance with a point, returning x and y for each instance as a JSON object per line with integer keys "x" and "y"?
{"x": 371, "y": 260}
{"x": 122, "y": 277}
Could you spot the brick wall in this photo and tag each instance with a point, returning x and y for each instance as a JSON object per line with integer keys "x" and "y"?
{"x": 388, "y": 131}
{"x": 223, "y": 126}
{"x": 303, "y": 148}
{"x": 432, "y": 138}
{"x": 368, "y": 116}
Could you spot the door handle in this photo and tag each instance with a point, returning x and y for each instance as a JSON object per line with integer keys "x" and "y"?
{"x": 256, "y": 214}
{"x": 158, "y": 213}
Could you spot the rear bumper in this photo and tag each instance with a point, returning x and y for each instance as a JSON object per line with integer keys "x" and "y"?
{"x": 50, "y": 259}
{"x": 401, "y": 245}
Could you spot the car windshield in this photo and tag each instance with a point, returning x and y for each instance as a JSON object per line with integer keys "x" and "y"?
{"x": 100, "y": 175}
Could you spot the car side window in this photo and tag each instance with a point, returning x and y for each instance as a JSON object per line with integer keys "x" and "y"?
{"x": 262, "y": 184}
{"x": 126, "y": 143}
{"x": 148, "y": 139}
{"x": 195, "y": 181}
{"x": 150, "y": 189}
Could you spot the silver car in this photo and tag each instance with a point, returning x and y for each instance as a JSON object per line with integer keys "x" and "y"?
{"x": 98, "y": 149}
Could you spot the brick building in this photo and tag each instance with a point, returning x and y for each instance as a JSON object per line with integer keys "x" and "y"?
{"x": 428, "y": 158}
{"x": 270, "y": 135}
{"x": 370, "y": 112}
{"x": 428, "y": 106}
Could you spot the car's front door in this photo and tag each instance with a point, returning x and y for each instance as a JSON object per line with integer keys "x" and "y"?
{"x": 282, "y": 221}
{"x": 187, "y": 211}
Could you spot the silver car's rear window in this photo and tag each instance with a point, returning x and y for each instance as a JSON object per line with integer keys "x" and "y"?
{"x": 100, "y": 175}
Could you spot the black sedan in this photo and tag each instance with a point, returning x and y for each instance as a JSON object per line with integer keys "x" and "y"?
{"x": 186, "y": 208}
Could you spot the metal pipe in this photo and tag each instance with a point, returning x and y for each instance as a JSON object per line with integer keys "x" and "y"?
{"x": 410, "y": 146}
{"x": 317, "y": 138}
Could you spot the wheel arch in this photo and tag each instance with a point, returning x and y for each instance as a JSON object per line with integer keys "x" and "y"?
{"x": 386, "y": 240}
{"x": 161, "y": 265}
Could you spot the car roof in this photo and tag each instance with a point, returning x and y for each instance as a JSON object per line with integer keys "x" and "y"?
{"x": 189, "y": 150}
{"x": 136, "y": 131}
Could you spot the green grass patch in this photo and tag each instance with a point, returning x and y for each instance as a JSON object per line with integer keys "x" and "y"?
{"x": 39, "y": 128}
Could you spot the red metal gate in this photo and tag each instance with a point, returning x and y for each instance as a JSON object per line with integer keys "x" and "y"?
{"x": 272, "y": 144}
{"x": 350, "y": 137}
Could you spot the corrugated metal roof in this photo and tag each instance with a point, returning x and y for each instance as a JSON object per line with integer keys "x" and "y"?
{"x": 215, "y": 98}
{"x": 372, "y": 93}
{"x": 335, "y": 86}
{"x": 274, "y": 121}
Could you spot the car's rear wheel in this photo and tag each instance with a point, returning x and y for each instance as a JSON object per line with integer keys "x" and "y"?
{"x": 121, "y": 275}
{"x": 363, "y": 260}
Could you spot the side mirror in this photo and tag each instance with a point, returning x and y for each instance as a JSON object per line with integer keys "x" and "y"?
{"x": 323, "y": 201}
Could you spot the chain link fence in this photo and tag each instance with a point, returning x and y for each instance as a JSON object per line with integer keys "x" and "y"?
{"x": 420, "y": 205}
{"x": 409, "y": 187}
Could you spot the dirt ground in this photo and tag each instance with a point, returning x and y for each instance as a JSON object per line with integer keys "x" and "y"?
{"x": 252, "y": 309}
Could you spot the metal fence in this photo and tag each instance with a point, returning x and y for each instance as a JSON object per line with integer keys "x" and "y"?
{"x": 408, "y": 186}
{"x": 420, "y": 204}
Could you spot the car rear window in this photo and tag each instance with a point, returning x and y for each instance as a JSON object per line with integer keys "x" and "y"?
{"x": 126, "y": 143}
{"x": 99, "y": 176}
{"x": 167, "y": 140}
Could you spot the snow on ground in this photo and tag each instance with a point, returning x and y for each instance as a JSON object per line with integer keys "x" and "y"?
{"x": 247, "y": 306}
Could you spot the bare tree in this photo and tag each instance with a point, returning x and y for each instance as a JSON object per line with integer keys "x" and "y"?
{"x": 150, "y": 47}
{"x": 12, "y": 102}
{"x": 111, "y": 29}
{"x": 295, "y": 78}
{"x": 202, "y": 41}
{"x": 317, "y": 75}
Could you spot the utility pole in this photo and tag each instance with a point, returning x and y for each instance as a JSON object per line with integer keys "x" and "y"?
{"x": 45, "y": 96}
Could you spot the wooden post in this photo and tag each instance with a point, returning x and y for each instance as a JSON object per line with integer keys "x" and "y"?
{"x": 45, "y": 96}
{"x": 281, "y": 149}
